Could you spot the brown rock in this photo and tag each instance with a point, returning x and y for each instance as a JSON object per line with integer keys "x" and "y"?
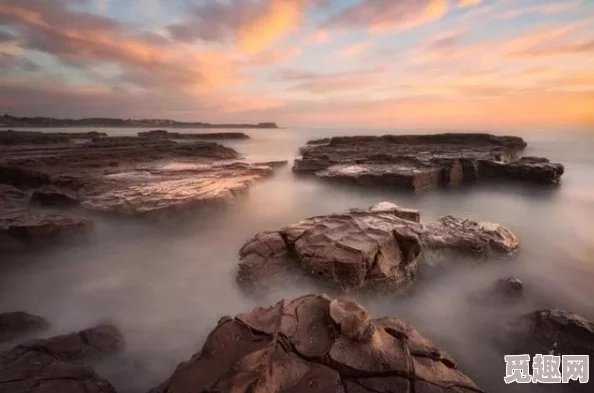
{"x": 59, "y": 364}
{"x": 381, "y": 247}
{"x": 21, "y": 226}
{"x": 163, "y": 134}
{"x": 556, "y": 332}
{"x": 131, "y": 175}
{"x": 19, "y": 324}
{"x": 298, "y": 346}
{"x": 423, "y": 161}
{"x": 54, "y": 197}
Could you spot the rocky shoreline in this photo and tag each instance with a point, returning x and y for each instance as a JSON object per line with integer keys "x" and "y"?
{"x": 131, "y": 176}
{"x": 310, "y": 344}
{"x": 416, "y": 162}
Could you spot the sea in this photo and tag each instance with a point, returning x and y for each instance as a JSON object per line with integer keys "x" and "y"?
{"x": 166, "y": 287}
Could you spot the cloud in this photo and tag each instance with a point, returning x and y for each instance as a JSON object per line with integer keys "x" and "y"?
{"x": 10, "y": 62}
{"x": 251, "y": 24}
{"x": 555, "y": 7}
{"x": 354, "y": 49}
{"x": 329, "y": 83}
{"x": 83, "y": 40}
{"x": 393, "y": 14}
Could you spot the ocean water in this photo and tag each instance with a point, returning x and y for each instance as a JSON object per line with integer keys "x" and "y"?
{"x": 166, "y": 287}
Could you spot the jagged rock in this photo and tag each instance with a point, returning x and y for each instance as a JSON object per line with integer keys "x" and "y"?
{"x": 555, "y": 332}
{"x": 314, "y": 344}
{"x": 53, "y": 196}
{"x": 21, "y": 226}
{"x": 423, "y": 161}
{"x": 59, "y": 364}
{"x": 131, "y": 175}
{"x": 19, "y": 324}
{"x": 163, "y": 134}
{"x": 379, "y": 247}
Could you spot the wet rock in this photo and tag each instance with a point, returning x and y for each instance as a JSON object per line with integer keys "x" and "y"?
{"x": 545, "y": 332}
{"x": 131, "y": 175}
{"x": 163, "y": 134}
{"x": 19, "y": 324}
{"x": 314, "y": 344}
{"x": 59, "y": 364}
{"x": 13, "y": 137}
{"x": 21, "y": 226}
{"x": 382, "y": 247}
{"x": 424, "y": 161}
{"x": 54, "y": 197}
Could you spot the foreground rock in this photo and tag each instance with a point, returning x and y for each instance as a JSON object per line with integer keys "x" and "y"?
{"x": 19, "y": 324}
{"x": 424, "y": 161}
{"x": 22, "y": 226}
{"x": 317, "y": 345}
{"x": 546, "y": 332}
{"x": 130, "y": 175}
{"x": 59, "y": 364}
{"x": 380, "y": 247}
{"x": 162, "y": 134}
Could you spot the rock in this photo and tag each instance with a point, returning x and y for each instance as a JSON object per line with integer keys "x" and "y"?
{"x": 19, "y": 324}
{"x": 423, "y": 161}
{"x": 317, "y": 345}
{"x": 162, "y": 134}
{"x": 54, "y": 196}
{"x": 21, "y": 227}
{"x": 555, "y": 332}
{"x": 380, "y": 247}
{"x": 503, "y": 290}
{"x": 131, "y": 175}
{"x": 12, "y": 137}
{"x": 59, "y": 364}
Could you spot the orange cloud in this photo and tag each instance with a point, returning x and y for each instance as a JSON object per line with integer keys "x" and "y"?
{"x": 354, "y": 49}
{"x": 278, "y": 18}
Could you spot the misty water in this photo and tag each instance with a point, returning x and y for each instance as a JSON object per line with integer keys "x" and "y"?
{"x": 167, "y": 286}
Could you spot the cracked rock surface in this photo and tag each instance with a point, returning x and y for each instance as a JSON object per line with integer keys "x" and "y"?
{"x": 59, "y": 364}
{"x": 424, "y": 161}
{"x": 315, "y": 344}
{"x": 379, "y": 247}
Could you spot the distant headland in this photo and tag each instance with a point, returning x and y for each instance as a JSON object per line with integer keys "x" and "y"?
{"x": 13, "y": 121}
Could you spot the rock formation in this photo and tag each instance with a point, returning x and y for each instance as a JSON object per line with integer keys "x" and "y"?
{"x": 128, "y": 174}
{"x": 163, "y": 134}
{"x": 59, "y": 364}
{"x": 379, "y": 247}
{"x": 547, "y": 332}
{"x": 22, "y": 226}
{"x": 424, "y": 161}
{"x": 317, "y": 345}
{"x": 19, "y": 324}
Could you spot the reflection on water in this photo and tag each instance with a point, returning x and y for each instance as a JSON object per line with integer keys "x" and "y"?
{"x": 167, "y": 286}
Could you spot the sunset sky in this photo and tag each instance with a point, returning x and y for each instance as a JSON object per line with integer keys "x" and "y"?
{"x": 328, "y": 63}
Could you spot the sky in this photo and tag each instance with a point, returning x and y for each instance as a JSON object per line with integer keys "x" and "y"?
{"x": 317, "y": 63}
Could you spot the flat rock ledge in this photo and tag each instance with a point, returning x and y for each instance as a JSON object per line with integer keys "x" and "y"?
{"x": 59, "y": 364}
{"x": 418, "y": 162}
{"x": 131, "y": 176}
{"x": 381, "y": 247}
{"x": 315, "y": 344}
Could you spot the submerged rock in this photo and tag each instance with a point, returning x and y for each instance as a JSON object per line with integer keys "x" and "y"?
{"x": 424, "y": 161}
{"x": 503, "y": 290}
{"x": 314, "y": 344}
{"x": 19, "y": 324}
{"x": 59, "y": 364}
{"x": 379, "y": 247}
